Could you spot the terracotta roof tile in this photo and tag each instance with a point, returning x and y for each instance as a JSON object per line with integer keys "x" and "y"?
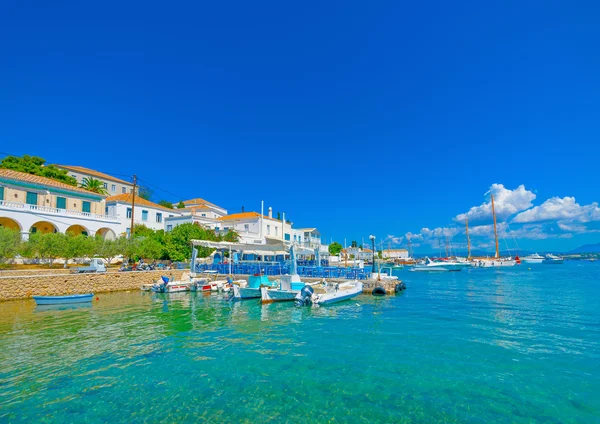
{"x": 36, "y": 179}
{"x": 93, "y": 173}
{"x": 242, "y": 215}
{"x": 139, "y": 201}
{"x": 198, "y": 201}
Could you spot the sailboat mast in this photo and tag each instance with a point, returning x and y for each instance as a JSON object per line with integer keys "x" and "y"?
{"x": 468, "y": 241}
{"x": 495, "y": 229}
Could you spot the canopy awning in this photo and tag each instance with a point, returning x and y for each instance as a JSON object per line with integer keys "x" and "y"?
{"x": 264, "y": 249}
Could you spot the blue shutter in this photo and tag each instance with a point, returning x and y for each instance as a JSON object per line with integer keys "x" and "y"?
{"x": 86, "y": 207}
{"x": 61, "y": 203}
{"x": 31, "y": 198}
{"x": 1, "y": 193}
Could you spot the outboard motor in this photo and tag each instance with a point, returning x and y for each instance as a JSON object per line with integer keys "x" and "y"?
{"x": 400, "y": 286}
{"x": 304, "y": 297}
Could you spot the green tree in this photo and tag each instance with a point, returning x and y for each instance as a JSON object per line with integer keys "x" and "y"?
{"x": 77, "y": 247}
{"x": 279, "y": 216}
{"x": 178, "y": 241}
{"x": 165, "y": 204}
{"x": 231, "y": 236}
{"x": 150, "y": 248}
{"x": 51, "y": 246}
{"x": 335, "y": 248}
{"x": 10, "y": 241}
{"x": 145, "y": 192}
{"x": 380, "y": 254}
{"x": 110, "y": 249}
{"x": 180, "y": 205}
{"x": 36, "y": 166}
{"x": 93, "y": 184}
{"x": 141, "y": 231}
{"x": 354, "y": 243}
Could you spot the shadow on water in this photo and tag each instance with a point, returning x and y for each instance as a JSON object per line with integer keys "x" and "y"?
{"x": 63, "y": 307}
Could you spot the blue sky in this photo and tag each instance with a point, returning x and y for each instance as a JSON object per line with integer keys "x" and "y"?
{"x": 358, "y": 118}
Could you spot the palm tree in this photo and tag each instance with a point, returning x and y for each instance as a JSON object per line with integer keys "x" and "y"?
{"x": 94, "y": 185}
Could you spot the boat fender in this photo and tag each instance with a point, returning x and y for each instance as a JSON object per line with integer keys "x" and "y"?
{"x": 378, "y": 291}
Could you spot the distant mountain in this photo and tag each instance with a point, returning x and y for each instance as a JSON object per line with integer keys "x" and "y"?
{"x": 588, "y": 248}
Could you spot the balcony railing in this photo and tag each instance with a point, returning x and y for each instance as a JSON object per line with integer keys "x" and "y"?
{"x": 55, "y": 211}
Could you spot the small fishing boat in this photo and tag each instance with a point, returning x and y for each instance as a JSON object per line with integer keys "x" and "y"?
{"x": 533, "y": 259}
{"x": 553, "y": 260}
{"x": 61, "y": 300}
{"x": 251, "y": 290}
{"x": 327, "y": 293}
{"x": 289, "y": 287}
{"x": 166, "y": 286}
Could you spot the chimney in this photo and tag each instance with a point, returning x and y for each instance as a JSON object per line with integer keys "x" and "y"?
{"x": 270, "y": 212}
{"x": 242, "y": 209}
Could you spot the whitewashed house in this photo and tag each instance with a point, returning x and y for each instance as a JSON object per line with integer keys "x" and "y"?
{"x": 146, "y": 213}
{"x": 34, "y": 204}
{"x": 112, "y": 185}
{"x": 197, "y": 211}
{"x": 395, "y": 254}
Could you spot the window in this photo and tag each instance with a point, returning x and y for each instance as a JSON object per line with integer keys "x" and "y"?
{"x": 158, "y": 217}
{"x": 169, "y": 227}
{"x": 106, "y": 210}
{"x": 106, "y": 186}
{"x": 144, "y": 215}
{"x": 61, "y": 203}
{"x": 287, "y": 237}
{"x": 203, "y": 214}
{"x": 124, "y": 190}
{"x": 276, "y": 228}
{"x": 86, "y": 207}
{"x": 268, "y": 230}
{"x": 128, "y": 212}
{"x": 113, "y": 188}
{"x": 246, "y": 227}
{"x": 33, "y": 230}
{"x": 31, "y": 198}
{"x": 1, "y": 193}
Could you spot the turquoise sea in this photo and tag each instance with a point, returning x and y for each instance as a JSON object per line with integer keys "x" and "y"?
{"x": 514, "y": 345}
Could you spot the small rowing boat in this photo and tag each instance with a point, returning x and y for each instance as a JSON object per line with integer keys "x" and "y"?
{"x": 61, "y": 300}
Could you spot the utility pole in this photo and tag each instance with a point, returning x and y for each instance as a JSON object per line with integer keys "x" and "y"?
{"x": 132, "y": 206}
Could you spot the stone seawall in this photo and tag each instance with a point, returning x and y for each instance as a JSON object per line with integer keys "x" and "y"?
{"x": 51, "y": 284}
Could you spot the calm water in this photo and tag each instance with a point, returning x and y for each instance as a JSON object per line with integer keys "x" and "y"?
{"x": 514, "y": 345}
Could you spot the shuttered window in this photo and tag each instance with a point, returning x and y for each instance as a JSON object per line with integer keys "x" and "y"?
{"x": 61, "y": 203}
{"x": 86, "y": 207}
{"x": 31, "y": 198}
{"x": 1, "y": 193}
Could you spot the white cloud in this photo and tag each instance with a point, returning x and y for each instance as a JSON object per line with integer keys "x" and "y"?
{"x": 506, "y": 203}
{"x": 392, "y": 239}
{"x": 565, "y": 209}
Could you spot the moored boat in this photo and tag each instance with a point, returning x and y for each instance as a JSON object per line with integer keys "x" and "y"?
{"x": 553, "y": 260}
{"x": 61, "y": 300}
{"x": 289, "y": 287}
{"x": 328, "y": 293}
{"x": 532, "y": 259}
{"x": 252, "y": 291}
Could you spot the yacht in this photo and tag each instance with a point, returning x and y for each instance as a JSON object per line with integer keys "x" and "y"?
{"x": 553, "y": 259}
{"x": 533, "y": 259}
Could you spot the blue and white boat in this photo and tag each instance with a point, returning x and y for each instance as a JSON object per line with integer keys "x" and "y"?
{"x": 61, "y": 300}
{"x": 289, "y": 287}
{"x": 252, "y": 291}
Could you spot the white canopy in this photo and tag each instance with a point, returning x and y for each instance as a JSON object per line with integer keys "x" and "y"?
{"x": 260, "y": 249}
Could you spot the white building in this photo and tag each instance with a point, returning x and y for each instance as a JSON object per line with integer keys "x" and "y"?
{"x": 145, "y": 212}
{"x": 395, "y": 254}
{"x": 112, "y": 185}
{"x": 34, "y": 204}
{"x": 197, "y": 211}
{"x": 357, "y": 253}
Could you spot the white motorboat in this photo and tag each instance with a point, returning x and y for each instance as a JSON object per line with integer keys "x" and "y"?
{"x": 289, "y": 287}
{"x": 327, "y": 293}
{"x": 252, "y": 289}
{"x": 437, "y": 266}
{"x": 532, "y": 259}
{"x": 495, "y": 262}
{"x": 166, "y": 286}
{"x": 553, "y": 260}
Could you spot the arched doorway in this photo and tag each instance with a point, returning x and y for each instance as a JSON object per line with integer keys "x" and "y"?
{"x": 77, "y": 230}
{"x": 10, "y": 223}
{"x": 43, "y": 227}
{"x": 106, "y": 234}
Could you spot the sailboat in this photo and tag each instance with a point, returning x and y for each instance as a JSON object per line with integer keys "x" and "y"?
{"x": 496, "y": 261}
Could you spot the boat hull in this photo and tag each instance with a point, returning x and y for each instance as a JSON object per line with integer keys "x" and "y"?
{"x": 532, "y": 261}
{"x": 418, "y": 268}
{"x": 553, "y": 261}
{"x": 338, "y": 296}
{"x": 245, "y": 292}
{"x": 276, "y": 295}
{"x": 61, "y": 300}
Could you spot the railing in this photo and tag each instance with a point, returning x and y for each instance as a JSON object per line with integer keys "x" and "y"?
{"x": 57, "y": 211}
{"x": 281, "y": 269}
